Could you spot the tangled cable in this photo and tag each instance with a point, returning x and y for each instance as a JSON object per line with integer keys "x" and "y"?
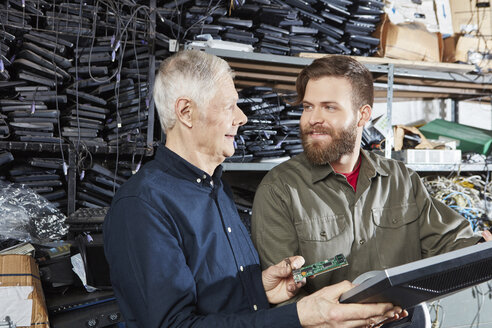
{"x": 469, "y": 196}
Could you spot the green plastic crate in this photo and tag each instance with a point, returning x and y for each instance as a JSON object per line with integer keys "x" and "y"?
{"x": 470, "y": 139}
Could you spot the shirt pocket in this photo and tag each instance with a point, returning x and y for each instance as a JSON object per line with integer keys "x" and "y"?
{"x": 397, "y": 234}
{"x": 321, "y": 229}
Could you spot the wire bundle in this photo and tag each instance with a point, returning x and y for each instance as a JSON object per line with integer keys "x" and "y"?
{"x": 469, "y": 196}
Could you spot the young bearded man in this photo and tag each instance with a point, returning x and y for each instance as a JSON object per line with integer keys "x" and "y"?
{"x": 337, "y": 198}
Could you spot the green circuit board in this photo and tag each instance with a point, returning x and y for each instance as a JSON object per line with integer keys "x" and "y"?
{"x": 319, "y": 267}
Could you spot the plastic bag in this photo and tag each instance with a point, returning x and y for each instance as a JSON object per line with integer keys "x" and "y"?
{"x": 27, "y": 216}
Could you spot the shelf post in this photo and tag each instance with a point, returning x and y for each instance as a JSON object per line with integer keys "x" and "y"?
{"x": 151, "y": 117}
{"x": 389, "y": 109}
{"x": 72, "y": 180}
{"x": 455, "y": 110}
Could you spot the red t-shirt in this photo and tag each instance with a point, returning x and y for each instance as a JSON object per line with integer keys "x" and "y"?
{"x": 352, "y": 176}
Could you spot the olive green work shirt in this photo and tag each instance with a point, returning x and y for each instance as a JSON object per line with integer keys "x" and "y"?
{"x": 308, "y": 210}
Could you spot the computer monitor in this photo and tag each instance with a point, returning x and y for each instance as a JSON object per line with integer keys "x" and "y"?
{"x": 426, "y": 280}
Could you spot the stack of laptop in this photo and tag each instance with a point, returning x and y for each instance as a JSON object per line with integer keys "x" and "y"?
{"x": 44, "y": 176}
{"x": 16, "y": 15}
{"x": 272, "y": 130}
{"x": 39, "y": 68}
{"x": 97, "y": 187}
{"x": 283, "y": 27}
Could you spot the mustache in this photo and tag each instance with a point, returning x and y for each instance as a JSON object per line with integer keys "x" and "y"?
{"x": 317, "y": 130}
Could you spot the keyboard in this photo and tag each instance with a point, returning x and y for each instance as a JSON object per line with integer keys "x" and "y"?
{"x": 88, "y": 216}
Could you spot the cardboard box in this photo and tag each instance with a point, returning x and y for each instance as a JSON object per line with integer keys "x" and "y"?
{"x": 449, "y": 49}
{"x": 22, "y": 270}
{"x": 409, "y": 42}
{"x": 472, "y": 19}
{"x": 466, "y": 44}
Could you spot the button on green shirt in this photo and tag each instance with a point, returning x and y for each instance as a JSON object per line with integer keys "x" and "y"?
{"x": 308, "y": 210}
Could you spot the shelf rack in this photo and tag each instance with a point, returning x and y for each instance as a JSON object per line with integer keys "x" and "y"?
{"x": 393, "y": 79}
{"x": 464, "y": 167}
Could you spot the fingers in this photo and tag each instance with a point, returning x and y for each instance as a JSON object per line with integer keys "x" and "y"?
{"x": 288, "y": 264}
{"x": 364, "y": 311}
{"x": 371, "y": 322}
{"x": 336, "y": 290}
{"x": 388, "y": 318}
{"x": 296, "y": 262}
{"x": 294, "y": 287}
{"x": 487, "y": 235}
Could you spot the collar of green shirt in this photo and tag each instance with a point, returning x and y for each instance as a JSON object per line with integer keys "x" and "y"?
{"x": 370, "y": 165}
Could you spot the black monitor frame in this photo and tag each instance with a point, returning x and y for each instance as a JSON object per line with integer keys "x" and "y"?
{"x": 426, "y": 280}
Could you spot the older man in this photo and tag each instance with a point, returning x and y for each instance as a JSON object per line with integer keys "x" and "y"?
{"x": 336, "y": 198}
{"x": 178, "y": 252}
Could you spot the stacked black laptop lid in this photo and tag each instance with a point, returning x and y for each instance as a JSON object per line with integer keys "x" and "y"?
{"x": 283, "y": 27}
{"x": 44, "y": 175}
{"x": 69, "y": 72}
{"x": 272, "y": 130}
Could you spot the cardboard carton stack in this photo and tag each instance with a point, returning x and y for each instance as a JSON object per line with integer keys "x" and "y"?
{"x": 472, "y": 27}
{"x": 21, "y": 294}
{"x": 437, "y": 30}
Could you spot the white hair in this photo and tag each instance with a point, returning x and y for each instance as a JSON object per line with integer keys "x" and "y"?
{"x": 190, "y": 73}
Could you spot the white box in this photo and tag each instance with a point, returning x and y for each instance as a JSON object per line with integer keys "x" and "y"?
{"x": 428, "y": 156}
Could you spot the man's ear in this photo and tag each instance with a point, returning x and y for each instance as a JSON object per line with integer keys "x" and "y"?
{"x": 364, "y": 115}
{"x": 183, "y": 107}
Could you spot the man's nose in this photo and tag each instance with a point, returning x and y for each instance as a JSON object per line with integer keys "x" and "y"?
{"x": 316, "y": 116}
{"x": 239, "y": 117}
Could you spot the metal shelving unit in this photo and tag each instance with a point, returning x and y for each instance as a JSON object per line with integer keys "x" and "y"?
{"x": 393, "y": 79}
{"x": 464, "y": 167}
{"x": 55, "y": 147}
{"x": 70, "y": 150}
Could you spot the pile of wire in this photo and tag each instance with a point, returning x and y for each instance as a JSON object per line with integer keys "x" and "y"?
{"x": 469, "y": 196}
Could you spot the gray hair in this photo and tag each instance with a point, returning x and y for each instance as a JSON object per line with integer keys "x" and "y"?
{"x": 189, "y": 73}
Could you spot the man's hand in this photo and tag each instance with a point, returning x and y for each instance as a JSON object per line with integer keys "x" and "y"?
{"x": 487, "y": 235}
{"x": 278, "y": 280}
{"x": 322, "y": 309}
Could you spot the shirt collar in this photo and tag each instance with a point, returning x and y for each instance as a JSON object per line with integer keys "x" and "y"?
{"x": 179, "y": 167}
{"x": 368, "y": 164}
{"x": 373, "y": 164}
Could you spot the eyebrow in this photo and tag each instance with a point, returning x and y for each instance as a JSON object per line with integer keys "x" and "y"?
{"x": 322, "y": 102}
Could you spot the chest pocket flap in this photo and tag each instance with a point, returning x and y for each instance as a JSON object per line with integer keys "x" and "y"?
{"x": 321, "y": 229}
{"x": 395, "y": 216}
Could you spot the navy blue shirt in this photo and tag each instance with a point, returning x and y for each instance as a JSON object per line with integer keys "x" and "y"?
{"x": 179, "y": 254}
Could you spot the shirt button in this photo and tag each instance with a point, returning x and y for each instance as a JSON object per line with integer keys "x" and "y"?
{"x": 229, "y": 229}
{"x": 362, "y": 241}
{"x": 255, "y": 307}
{"x": 394, "y": 220}
{"x": 241, "y": 268}
{"x": 198, "y": 180}
{"x": 204, "y": 176}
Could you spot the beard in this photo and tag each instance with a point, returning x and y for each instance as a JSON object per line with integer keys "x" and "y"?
{"x": 321, "y": 153}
